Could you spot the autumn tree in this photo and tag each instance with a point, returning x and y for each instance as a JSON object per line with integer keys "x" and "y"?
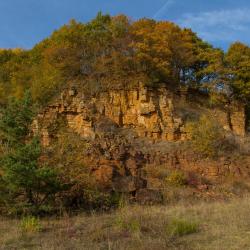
{"x": 110, "y": 52}
{"x": 238, "y": 70}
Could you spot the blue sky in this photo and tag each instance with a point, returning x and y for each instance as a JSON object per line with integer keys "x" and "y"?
{"x": 23, "y": 23}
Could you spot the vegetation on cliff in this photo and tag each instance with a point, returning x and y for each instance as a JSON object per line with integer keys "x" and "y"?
{"x": 36, "y": 180}
{"x": 111, "y": 52}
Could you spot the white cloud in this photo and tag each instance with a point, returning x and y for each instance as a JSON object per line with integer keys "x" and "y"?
{"x": 162, "y": 11}
{"x": 219, "y": 25}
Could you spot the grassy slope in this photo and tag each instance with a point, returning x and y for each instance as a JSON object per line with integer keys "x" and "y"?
{"x": 221, "y": 226}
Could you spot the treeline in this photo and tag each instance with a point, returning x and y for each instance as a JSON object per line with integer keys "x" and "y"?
{"x": 114, "y": 51}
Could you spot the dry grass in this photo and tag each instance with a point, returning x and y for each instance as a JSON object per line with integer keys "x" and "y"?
{"x": 220, "y": 226}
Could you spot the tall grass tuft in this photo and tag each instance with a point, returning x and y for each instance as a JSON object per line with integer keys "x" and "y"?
{"x": 181, "y": 227}
{"x": 30, "y": 224}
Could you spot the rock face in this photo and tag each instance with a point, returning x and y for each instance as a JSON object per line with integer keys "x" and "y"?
{"x": 238, "y": 119}
{"x": 122, "y": 167}
{"x": 150, "y": 112}
{"x": 131, "y": 129}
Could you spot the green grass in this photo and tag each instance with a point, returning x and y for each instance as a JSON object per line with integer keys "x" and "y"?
{"x": 181, "y": 227}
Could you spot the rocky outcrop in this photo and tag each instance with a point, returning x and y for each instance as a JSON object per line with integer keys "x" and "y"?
{"x": 123, "y": 166}
{"x": 129, "y": 130}
{"x": 238, "y": 118}
{"x": 150, "y": 112}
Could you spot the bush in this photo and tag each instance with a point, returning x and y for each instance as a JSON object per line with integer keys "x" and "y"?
{"x": 207, "y": 137}
{"x": 67, "y": 153}
{"x": 179, "y": 227}
{"x": 30, "y": 225}
{"x": 176, "y": 178}
{"x": 98, "y": 200}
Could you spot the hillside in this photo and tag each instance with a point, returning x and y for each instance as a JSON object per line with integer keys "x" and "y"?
{"x": 115, "y": 110}
{"x": 136, "y": 138}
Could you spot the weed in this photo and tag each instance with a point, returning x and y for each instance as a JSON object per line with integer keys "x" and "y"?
{"x": 30, "y": 225}
{"x": 176, "y": 178}
{"x": 180, "y": 227}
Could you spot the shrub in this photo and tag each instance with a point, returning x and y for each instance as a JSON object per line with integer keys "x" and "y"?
{"x": 96, "y": 199}
{"x": 30, "y": 225}
{"x": 206, "y": 136}
{"x": 180, "y": 227}
{"x": 176, "y": 178}
{"x": 67, "y": 153}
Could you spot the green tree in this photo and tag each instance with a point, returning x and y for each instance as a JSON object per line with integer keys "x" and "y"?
{"x": 24, "y": 181}
{"x": 15, "y": 120}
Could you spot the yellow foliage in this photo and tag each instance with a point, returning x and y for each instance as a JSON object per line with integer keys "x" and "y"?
{"x": 206, "y": 135}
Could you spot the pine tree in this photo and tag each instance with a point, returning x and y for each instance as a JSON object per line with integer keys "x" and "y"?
{"x": 24, "y": 181}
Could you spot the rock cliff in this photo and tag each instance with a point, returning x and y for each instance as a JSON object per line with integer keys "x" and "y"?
{"x": 129, "y": 130}
{"x": 150, "y": 112}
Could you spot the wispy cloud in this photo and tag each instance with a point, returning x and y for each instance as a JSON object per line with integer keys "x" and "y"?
{"x": 219, "y": 25}
{"x": 162, "y": 11}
